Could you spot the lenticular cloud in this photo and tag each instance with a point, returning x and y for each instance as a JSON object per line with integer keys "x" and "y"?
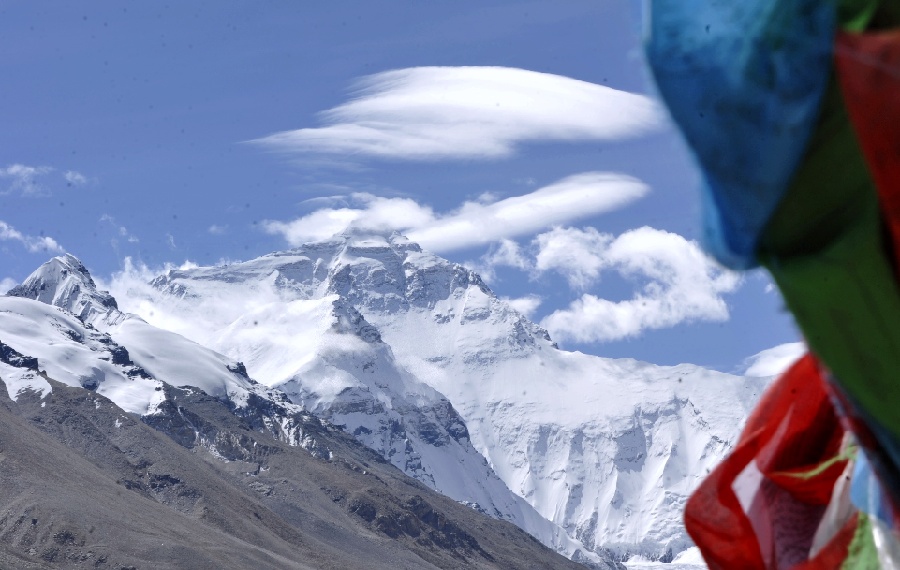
{"x": 434, "y": 113}
{"x": 473, "y": 223}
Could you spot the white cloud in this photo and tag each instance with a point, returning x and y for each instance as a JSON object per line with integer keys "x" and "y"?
{"x": 674, "y": 281}
{"x": 134, "y": 294}
{"x": 6, "y": 284}
{"x": 473, "y": 223}
{"x": 506, "y": 253}
{"x": 433, "y": 113}
{"x": 363, "y": 211}
{"x": 34, "y": 244}
{"x": 122, "y": 231}
{"x": 30, "y": 181}
{"x": 217, "y": 230}
{"x": 74, "y": 178}
{"x": 774, "y": 361}
{"x": 577, "y": 254}
{"x": 680, "y": 284}
{"x": 24, "y": 179}
{"x": 526, "y": 305}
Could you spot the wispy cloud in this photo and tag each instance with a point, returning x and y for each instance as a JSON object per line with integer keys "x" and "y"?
{"x": 121, "y": 231}
{"x": 6, "y": 284}
{"x": 473, "y": 223}
{"x": 36, "y": 181}
{"x": 437, "y": 113}
{"x": 34, "y": 244}
{"x": 679, "y": 283}
{"x": 217, "y": 230}
{"x": 75, "y": 178}
{"x": 24, "y": 180}
{"x": 505, "y": 253}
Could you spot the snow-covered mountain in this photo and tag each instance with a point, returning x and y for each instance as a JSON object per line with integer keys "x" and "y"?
{"x": 105, "y": 464}
{"x": 320, "y": 352}
{"x": 424, "y": 364}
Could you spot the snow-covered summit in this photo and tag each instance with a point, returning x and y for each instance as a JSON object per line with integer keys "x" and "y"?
{"x": 382, "y": 277}
{"x": 66, "y": 283}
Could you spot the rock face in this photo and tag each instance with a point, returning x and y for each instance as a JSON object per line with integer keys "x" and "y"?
{"x": 418, "y": 359}
{"x": 125, "y": 445}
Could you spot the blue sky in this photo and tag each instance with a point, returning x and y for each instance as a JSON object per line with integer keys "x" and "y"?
{"x": 517, "y": 137}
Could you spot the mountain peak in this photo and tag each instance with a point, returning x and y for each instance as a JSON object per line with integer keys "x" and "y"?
{"x": 65, "y": 282}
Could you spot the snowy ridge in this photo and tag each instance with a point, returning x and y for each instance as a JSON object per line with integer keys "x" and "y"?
{"x": 119, "y": 355}
{"x": 66, "y": 349}
{"x": 606, "y": 449}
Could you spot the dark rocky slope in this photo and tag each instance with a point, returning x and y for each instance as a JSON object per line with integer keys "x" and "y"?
{"x": 85, "y": 485}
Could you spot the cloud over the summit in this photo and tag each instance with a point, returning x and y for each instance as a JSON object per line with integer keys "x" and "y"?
{"x": 437, "y": 113}
{"x": 473, "y": 223}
